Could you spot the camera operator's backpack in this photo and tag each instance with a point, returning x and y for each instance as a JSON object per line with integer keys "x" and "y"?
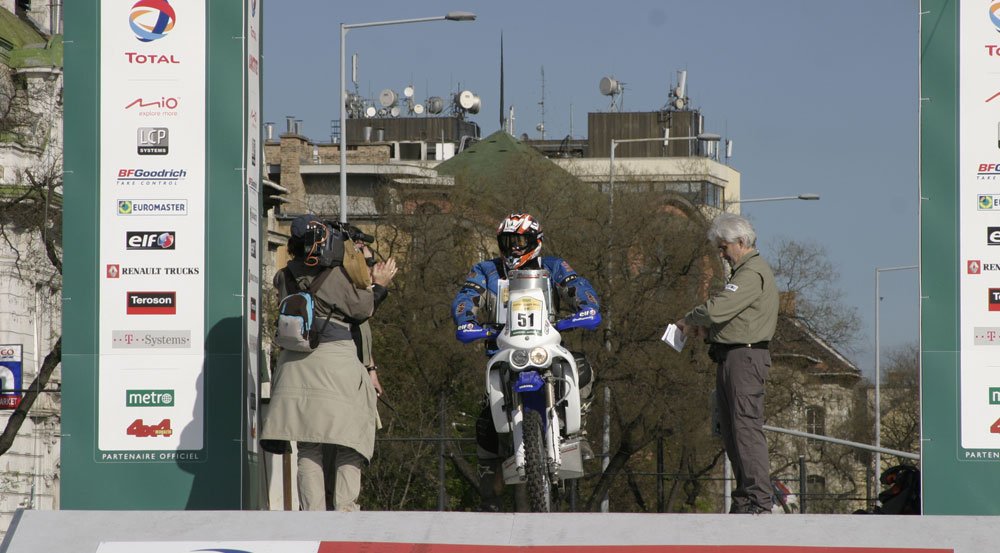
{"x": 297, "y": 329}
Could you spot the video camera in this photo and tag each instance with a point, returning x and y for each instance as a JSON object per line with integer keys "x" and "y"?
{"x": 324, "y": 241}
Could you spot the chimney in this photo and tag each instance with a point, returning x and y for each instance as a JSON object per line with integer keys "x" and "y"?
{"x": 269, "y": 127}
{"x": 786, "y": 304}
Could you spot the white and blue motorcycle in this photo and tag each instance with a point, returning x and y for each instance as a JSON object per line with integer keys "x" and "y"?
{"x": 533, "y": 387}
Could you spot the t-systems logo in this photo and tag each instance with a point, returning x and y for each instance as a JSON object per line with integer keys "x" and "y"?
{"x": 150, "y": 339}
{"x": 151, "y": 240}
{"x": 153, "y": 107}
{"x": 986, "y": 335}
{"x": 994, "y": 300}
{"x": 150, "y": 303}
{"x": 993, "y": 236}
{"x": 151, "y": 177}
{"x": 987, "y": 202}
{"x": 152, "y": 141}
{"x": 151, "y": 19}
{"x": 152, "y": 207}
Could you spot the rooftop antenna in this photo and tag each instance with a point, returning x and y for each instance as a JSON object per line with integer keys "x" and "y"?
{"x": 541, "y": 126}
{"x": 678, "y": 95}
{"x": 503, "y": 122}
{"x": 612, "y": 87}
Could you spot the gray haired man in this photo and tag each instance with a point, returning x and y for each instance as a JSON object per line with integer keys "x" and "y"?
{"x": 739, "y": 320}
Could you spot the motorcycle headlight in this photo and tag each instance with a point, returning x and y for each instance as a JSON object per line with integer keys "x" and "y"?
{"x": 519, "y": 358}
{"x": 538, "y": 356}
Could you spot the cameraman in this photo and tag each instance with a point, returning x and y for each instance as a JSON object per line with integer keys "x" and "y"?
{"x": 325, "y": 396}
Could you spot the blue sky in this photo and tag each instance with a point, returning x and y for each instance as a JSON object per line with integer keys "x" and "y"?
{"x": 818, "y": 97}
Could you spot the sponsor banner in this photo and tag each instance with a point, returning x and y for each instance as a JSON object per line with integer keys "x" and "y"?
{"x": 252, "y": 171}
{"x": 979, "y": 237}
{"x": 152, "y": 162}
{"x": 11, "y": 375}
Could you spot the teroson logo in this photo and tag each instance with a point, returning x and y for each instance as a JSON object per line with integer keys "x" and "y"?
{"x": 986, "y": 335}
{"x": 152, "y": 240}
{"x": 988, "y": 171}
{"x": 987, "y": 202}
{"x": 147, "y": 177}
{"x": 994, "y": 299}
{"x": 150, "y": 339}
{"x": 151, "y": 19}
{"x": 150, "y": 303}
{"x": 152, "y": 141}
{"x": 152, "y": 207}
{"x": 149, "y": 398}
{"x": 153, "y": 107}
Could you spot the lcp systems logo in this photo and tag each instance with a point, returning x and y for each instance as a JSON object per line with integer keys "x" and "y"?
{"x": 151, "y": 19}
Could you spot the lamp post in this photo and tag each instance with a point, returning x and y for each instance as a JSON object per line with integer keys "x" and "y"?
{"x": 878, "y": 366}
{"x": 777, "y": 199}
{"x": 450, "y": 16}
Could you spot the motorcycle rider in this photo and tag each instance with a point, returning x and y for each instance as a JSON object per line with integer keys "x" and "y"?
{"x": 519, "y": 237}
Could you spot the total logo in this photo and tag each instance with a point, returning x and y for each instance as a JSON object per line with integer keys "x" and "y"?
{"x": 988, "y": 171}
{"x": 153, "y": 107}
{"x": 150, "y": 339}
{"x": 995, "y": 15}
{"x": 994, "y": 299}
{"x": 152, "y": 207}
{"x": 151, "y": 19}
{"x": 115, "y": 270}
{"x": 987, "y": 202}
{"x": 150, "y": 303}
{"x": 151, "y": 177}
{"x": 151, "y": 240}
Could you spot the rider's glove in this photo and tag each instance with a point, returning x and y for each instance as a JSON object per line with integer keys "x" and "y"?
{"x": 470, "y": 332}
{"x": 587, "y": 318}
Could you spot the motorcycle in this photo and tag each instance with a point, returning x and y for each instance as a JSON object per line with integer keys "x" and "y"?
{"x": 533, "y": 389}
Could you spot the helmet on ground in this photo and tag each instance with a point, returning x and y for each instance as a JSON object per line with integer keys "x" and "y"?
{"x": 520, "y": 239}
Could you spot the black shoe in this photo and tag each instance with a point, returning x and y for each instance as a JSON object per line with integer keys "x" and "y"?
{"x": 750, "y": 509}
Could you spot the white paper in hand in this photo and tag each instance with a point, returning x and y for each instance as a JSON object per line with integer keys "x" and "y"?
{"x": 673, "y": 337}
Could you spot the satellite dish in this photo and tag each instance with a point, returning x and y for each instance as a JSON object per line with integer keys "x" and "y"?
{"x": 394, "y": 111}
{"x": 679, "y": 103}
{"x": 408, "y": 91}
{"x": 418, "y": 108}
{"x": 469, "y": 101}
{"x": 383, "y": 112}
{"x": 435, "y": 105}
{"x": 610, "y": 87}
{"x": 387, "y": 98}
{"x": 370, "y": 111}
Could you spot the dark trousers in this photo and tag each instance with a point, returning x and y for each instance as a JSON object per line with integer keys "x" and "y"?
{"x": 739, "y": 383}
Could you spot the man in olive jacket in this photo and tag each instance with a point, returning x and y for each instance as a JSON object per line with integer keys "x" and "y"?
{"x": 739, "y": 321}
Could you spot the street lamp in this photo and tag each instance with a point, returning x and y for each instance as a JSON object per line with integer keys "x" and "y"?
{"x": 450, "y": 16}
{"x": 776, "y": 199}
{"x": 878, "y": 366}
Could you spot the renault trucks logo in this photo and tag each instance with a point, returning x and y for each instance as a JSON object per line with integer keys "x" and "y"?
{"x": 152, "y": 240}
{"x": 973, "y": 267}
{"x": 151, "y": 303}
{"x": 152, "y": 207}
{"x": 151, "y": 19}
{"x": 153, "y": 107}
{"x": 152, "y": 141}
{"x": 149, "y": 398}
{"x": 150, "y": 339}
{"x": 994, "y": 299}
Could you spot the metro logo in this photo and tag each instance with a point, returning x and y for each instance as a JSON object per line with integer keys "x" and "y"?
{"x": 151, "y": 303}
{"x": 149, "y": 398}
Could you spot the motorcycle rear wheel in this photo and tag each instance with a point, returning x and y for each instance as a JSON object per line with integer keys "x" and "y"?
{"x": 539, "y": 487}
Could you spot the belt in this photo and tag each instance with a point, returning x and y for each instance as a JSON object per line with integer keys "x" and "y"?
{"x": 717, "y": 352}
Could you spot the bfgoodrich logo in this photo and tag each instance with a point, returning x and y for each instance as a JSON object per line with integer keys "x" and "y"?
{"x": 149, "y": 398}
{"x": 151, "y": 303}
{"x": 152, "y": 207}
{"x": 146, "y": 177}
{"x": 150, "y": 339}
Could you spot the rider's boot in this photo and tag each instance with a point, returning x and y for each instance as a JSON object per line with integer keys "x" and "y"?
{"x": 490, "y": 485}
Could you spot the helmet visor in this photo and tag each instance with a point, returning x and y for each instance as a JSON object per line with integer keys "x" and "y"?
{"x": 512, "y": 242}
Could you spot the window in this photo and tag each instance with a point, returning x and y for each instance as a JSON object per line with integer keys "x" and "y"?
{"x": 815, "y": 484}
{"x": 815, "y": 420}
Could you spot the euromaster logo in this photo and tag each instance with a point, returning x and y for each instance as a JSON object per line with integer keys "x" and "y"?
{"x": 987, "y": 202}
{"x": 150, "y": 303}
{"x": 152, "y": 207}
{"x": 149, "y": 398}
{"x": 150, "y": 240}
{"x": 151, "y": 177}
{"x": 150, "y": 339}
{"x": 151, "y": 19}
{"x": 153, "y": 107}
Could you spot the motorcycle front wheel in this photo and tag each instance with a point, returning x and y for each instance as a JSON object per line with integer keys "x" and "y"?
{"x": 539, "y": 486}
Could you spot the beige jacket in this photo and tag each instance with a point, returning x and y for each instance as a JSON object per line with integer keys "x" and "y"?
{"x": 745, "y": 311}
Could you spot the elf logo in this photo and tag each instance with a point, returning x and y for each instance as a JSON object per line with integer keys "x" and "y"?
{"x": 151, "y": 240}
{"x": 151, "y": 303}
